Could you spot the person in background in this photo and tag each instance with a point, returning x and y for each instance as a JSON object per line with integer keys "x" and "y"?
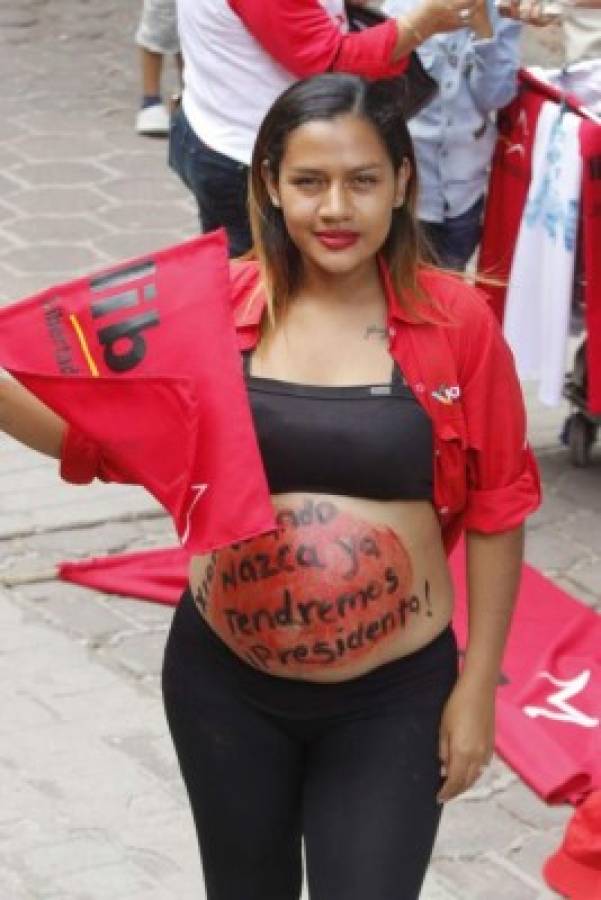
{"x": 156, "y": 37}
{"x": 455, "y": 134}
{"x": 239, "y": 55}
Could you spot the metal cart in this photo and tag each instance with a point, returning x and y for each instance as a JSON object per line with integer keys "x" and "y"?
{"x": 580, "y": 428}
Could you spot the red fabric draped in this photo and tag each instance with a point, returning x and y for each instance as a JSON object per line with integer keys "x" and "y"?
{"x": 142, "y": 362}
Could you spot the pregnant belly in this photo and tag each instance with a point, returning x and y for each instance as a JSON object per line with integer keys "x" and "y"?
{"x": 327, "y": 596}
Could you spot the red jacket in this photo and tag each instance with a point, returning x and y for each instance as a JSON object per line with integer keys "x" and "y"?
{"x": 485, "y": 475}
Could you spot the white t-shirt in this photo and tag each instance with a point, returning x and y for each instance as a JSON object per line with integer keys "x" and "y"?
{"x": 230, "y": 81}
{"x": 240, "y": 55}
{"x": 539, "y": 295}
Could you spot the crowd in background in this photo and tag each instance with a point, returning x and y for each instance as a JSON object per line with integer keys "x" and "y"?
{"x": 454, "y": 135}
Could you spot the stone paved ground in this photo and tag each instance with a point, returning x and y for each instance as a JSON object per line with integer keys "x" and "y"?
{"x": 92, "y": 807}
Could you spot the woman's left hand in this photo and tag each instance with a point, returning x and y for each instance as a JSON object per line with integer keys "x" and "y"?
{"x": 466, "y": 737}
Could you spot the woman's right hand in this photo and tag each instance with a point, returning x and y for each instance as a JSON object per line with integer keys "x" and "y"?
{"x": 435, "y": 16}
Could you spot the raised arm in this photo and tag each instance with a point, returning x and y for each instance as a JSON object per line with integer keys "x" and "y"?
{"x": 29, "y": 421}
{"x": 492, "y": 78}
{"x": 304, "y": 39}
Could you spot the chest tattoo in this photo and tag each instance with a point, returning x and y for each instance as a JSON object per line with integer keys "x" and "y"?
{"x": 376, "y": 331}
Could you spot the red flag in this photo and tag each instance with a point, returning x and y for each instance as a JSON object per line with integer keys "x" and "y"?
{"x": 160, "y": 575}
{"x": 143, "y": 360}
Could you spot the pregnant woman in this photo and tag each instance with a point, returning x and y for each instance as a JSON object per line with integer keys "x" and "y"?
{"x": 310, "y": 676}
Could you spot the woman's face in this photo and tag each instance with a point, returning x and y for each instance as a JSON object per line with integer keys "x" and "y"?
{"x": 337, "y": 190}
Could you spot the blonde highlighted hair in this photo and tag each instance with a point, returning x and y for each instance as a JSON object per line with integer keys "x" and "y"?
{"x": 327, "y": 97}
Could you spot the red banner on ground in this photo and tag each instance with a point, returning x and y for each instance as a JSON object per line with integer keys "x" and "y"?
{"x": 549, "y": 698}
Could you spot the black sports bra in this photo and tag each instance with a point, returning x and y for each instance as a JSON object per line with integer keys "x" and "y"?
{"x": 372, "y": 441}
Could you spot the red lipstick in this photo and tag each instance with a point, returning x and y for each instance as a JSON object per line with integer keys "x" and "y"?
{"x": 337, "y": 240}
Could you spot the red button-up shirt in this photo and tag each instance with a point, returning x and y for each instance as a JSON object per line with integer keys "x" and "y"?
{"x": 462, "y": 374}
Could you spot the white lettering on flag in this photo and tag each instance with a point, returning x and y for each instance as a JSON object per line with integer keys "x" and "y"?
{"x": 565, "y": 712}
{"x": 199, "y": 490}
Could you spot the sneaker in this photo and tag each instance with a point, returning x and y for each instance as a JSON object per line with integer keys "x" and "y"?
{"x": 153, "y": 120}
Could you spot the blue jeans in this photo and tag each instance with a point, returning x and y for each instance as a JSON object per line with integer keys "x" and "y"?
{"x": 454, "y": 240}
{"x": 219, "y": 184}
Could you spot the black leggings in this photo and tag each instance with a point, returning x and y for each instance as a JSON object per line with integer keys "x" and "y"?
{"x": 351, "y": 767}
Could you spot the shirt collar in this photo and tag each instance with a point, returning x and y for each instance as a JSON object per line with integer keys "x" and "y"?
{"x": 396, "y": 310}
{"x": 249, "y": 313}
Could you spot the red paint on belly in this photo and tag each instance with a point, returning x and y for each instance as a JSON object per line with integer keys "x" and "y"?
{"x": 321, "y": 591}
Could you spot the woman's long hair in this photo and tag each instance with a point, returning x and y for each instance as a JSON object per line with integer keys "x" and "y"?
{"x": 326, "y": 97}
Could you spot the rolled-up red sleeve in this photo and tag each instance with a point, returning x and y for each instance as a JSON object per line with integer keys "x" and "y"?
{"x": 502, "y": 508}
{"x": 82, "y": 460}
{"x": 305, "y": 40}
{"x": 503, "y": 479}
